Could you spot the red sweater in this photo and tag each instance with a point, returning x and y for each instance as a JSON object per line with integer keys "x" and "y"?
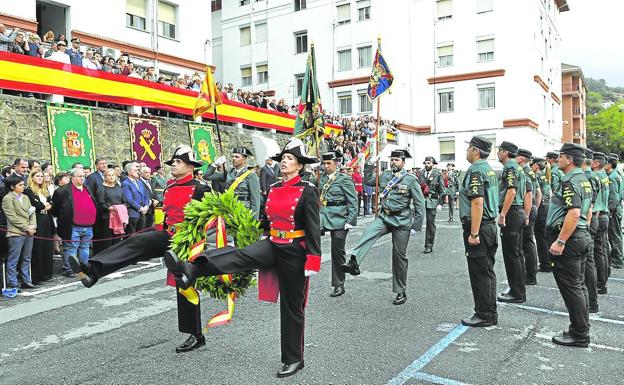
{"x": 84, "y": 208}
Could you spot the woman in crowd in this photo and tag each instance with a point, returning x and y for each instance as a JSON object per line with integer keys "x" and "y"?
{"x": 20, "y": 45}
{"x": 47, "y": 178}
{"x": 61, "y": 179}
{"x": 42, "y": 249}
{"x": 48, "y": 37}
{"x": 107, "y": 197}
{"x": 21, "y": 225}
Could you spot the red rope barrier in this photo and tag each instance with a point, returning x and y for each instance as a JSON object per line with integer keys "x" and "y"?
{"x": 5, "y": 230}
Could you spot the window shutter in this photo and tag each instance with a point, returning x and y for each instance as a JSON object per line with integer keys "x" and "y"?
{"x": 245, "y": 36}
{"x": 485, "y": 46}
{"x": 447, "y": 146}
{"x": 136, "y": 7}
{"x": 246, "y": 72}
{"x": 166, "y": 13}
{"x": 343, "y": 12}
{"x": 261, "y": 33}
{"x": 445, "y": 8}
{"x": 446, "y": 50}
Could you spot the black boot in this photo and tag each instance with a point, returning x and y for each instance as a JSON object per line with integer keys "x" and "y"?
{"x": 351, "y": 267}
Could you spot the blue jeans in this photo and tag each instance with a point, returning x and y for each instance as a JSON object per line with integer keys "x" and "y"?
{"x": 78, "y": 246}
{"x": 20, "y": 248}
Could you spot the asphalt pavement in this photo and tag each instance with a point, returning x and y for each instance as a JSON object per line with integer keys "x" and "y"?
{"x": 124, "y": 330}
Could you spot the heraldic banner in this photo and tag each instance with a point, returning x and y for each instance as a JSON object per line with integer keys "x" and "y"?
{"x": 202, "y": 141}
{"x": 145, "y": 139}
{"x": 71, "y": 136}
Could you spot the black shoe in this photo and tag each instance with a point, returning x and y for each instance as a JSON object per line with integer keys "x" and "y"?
{"x": 351, "y": 267}
{"x": 593, "y": 309}
{"x": 476, "y": 321}
{"x": 87, "y": 279}
{"x": 191, "y": 343}
{"x": 28, "y": 285}
{"x": 531, "y": 283}
{"x": 180, "y": 269}
{"x": 509, "y": 299}
{"x": 69, "y": 274}
{"x": 83, "y": 270}
{"x": 428, "y": 249}
{"x": 506, "y": 291}
{"x": 450, "y": 220}
{"x": 400, "y": 299}
{"x": 566, "y": 339}
{"x": 76, "y": 264}
{"x": 602, "y": 290}
{"x": 289, "y": 369}
{"x": 338, "y": 291}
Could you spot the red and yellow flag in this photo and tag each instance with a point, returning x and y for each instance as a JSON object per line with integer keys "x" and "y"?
{"x": 208, "y": 97}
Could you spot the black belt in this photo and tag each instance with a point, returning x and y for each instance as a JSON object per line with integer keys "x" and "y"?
{"x": 466, "y": 220}
{"x": 335, "y": 203}
{"x": 603, "y": 213}
{"x": 397, "y": 212}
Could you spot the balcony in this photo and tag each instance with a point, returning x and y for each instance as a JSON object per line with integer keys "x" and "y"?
{"x": 573, "y": 90}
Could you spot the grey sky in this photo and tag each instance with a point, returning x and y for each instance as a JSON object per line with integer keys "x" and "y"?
{"x": 590, "y": 34}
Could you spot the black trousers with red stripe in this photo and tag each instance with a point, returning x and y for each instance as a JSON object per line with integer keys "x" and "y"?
{"x": 289, "y": 261}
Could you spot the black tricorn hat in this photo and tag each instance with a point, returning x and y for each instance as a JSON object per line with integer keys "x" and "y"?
{"x": 552, "y": 155}
{"x": 589, "y": 153}
{"x": 481, "y": 143}
{"x": 403, "y": 154}
{"x": 185, "y": 154}
{"x": 509, "y": 147}
{"x": 573, "y": 149}
{"x": 296, "y": 147}
{"x": 613, "y": 156}
{"x": 525, "y": 153}
{"x": 242, "y": 150}
{"x": 537, "y": 159}
{"x": 332, "y": 155}
{"x": 599, "y": 156}
{"x": 430, "y": 159}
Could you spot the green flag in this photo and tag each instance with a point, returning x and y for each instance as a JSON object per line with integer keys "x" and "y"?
{"x": 310, "y": 119}
{"x": 71, "y": 136}
{"x": 202, "y": 141}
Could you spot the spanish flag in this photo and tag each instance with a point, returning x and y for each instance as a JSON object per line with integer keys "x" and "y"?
{"x": 208, "y": 97}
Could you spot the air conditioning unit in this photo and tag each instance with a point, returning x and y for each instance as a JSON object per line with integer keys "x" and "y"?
{"x": 111, "y": 52}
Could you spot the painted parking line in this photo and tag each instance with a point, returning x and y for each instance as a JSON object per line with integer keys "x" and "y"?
{"x": 616, "y": 279}
{"x": 414, "y": 368}
{"x": 435, "y": 379}
{"x": 557, "y": 290}
{"x": 592, "y": 317}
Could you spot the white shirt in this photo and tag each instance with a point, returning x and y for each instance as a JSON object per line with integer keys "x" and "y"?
{"x": 60, "y": 57}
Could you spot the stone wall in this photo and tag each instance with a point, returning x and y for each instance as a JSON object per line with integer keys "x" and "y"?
{"x": 24, "y": 132}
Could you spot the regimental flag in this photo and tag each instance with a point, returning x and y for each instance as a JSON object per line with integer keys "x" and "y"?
{"x": 202, "y": 141}
{"x": 310, "y": 119}
{"x": 145, "y": 141}
{"x": 71, "y": 136}
{"x": 209, "y": 96}
{"x": 381, "y": 78}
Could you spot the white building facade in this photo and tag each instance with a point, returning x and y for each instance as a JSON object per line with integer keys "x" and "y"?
{"x": 172, "y": 35}
{"x": 461, "y": 67}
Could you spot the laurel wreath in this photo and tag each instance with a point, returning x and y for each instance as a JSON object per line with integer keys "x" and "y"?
{"x": 241, "y": 225}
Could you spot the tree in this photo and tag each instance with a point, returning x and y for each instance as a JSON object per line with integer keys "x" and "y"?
{"x": 605, "y": 130}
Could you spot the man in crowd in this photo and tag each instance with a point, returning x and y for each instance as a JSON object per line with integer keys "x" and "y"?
{"x": 601, "y": 209}
{"x": 432, "y": 188}
{"x": 159, "y": 182}
{"x": 338, "y": 214}
{"x": 615, "y": 208}
{"x": 538, "y": 165}
{"x": 136, "y": 198}
{"x": 245, "y": 181}
{"x": 478, "y": 204}
{"x": 146, "y": 176}
{"x": 398, "y": 190}
{"x": 532, "y": 199}
{"x": 268, "y": 176}
{"x": 354, "y": 173}
{"x": 75, "y": 209}
{"x": 451, "y": 188}
{"x": 556, "y": 174}
{"x": 60, "y": 55}
{"x": 511, "y": 190}
{"x": 592, "y": 227}
{"x": 75, "y": 56}
{"x": 93, "y": 181}
{"x": 568, "y": 230}
{"x": 20, "y": 168}
{"x": 6, "y": 40}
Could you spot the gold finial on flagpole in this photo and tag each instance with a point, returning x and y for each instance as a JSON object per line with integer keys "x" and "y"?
{"x": 379, "y": 39}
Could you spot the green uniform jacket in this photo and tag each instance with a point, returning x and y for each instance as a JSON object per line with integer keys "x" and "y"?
{"x": 453, "y": 184}
{"x": 574, "y": 192}
{"x": 479, "y": 181}
{"x": 531, "y": 182}
{"x": 594, "y": 181}
{"x": 340, "y": 190}
{"x": 247, "y": 191}
{"x": 602, "y": 200}
{"x": 436, "y": 187}
{"x": 158, "y": 184}
{"x": 615, "y": 191}
{"x": 399, "y": 197}
{"x": 555, "y": 177}
{"x": 544, "y": 186}
{"x": 512, "y": 177}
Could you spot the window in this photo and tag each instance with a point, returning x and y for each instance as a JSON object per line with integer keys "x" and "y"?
{"x": 135, "y": 14}
{"x": 245, "y": 76}
{"x": 301, "y": 42}
{"x": 167, "y": 20}
{"x": 485, "y": 50}
{"x": 245, "y": 36}
{"x": 216, "y": 5}
{"x": 492, "y": 139}
{"x": 445, "y": 9}
{"x": 447, "y": 149}
{"x": 344, "y": 60}
{"x": 263, "y": 73}
{"x": 484, "y": 5}
{"x": 299, "y": 5}
{"x": 445, "y": 55}
{"x": 299, "y": 83}
{"x": 243, "y": 2}
{"x": 487, "y": 96}
{"x": 345, "y": 103}
{"x": 445, "y": 101}
{"x": 366, "y": 106}
{"x": 363, "y": 10}
{"x": 261, "y": 33}
{"x": 343, "y": 13}
{"x": 365, "y": 56}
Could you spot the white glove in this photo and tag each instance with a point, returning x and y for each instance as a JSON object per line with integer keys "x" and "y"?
{"x": 412, "y": 232}
{"x": 374, "y": 159}
{"x": 348, "y": 226}
{"x": 219, "y": 161}
{"x": 309, "y": 273}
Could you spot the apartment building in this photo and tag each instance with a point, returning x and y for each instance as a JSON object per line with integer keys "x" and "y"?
{"x": 573, "y": 104}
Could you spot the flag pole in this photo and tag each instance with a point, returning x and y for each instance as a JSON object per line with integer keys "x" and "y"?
{"x": 218, "y": 130}
{"x": 377, "y": 170}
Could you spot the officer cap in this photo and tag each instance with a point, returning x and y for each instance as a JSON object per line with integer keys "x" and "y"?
{"x": 508, "y": 146}
{"x": 481, "y": 143}
{"x": 404, "y": 154}
{"x": 613, "y": 156}
{"x": 552, "y": 155}
{"x": 241, "y": 150}
{"x": 599, "y": 156}
{"x": 589, "y": 153}
{"x": 537, "y": 159}
{"x": 430, "y": 159}
{"x": 573, "y": 149}
{"x": 332, "y": 155}
{"x": 525, "y": 153}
